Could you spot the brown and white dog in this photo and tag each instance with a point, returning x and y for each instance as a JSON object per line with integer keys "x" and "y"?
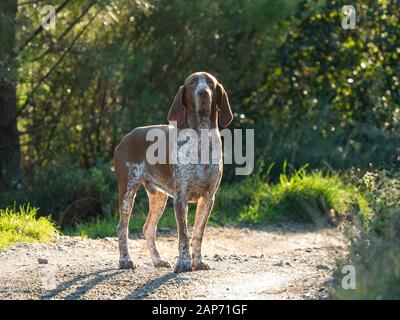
{"x": 200, "y": 102}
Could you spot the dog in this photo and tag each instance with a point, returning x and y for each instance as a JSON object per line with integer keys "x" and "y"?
{"x": 201, "y": 102}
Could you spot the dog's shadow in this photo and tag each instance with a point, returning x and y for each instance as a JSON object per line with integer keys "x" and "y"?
{"x": 84, "y": 283}
{"x": 149, "y": 287}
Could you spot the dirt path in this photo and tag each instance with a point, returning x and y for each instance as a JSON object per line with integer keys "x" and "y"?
{"x": 280, "y": 262}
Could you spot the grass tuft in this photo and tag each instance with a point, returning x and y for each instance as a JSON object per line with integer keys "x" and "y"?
{"x": 107, "y": 226}
{"x": 24, "y": 226}
{"x": 305, "y": 196}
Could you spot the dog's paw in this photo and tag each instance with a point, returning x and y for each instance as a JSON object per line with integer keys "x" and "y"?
{"x": 183, "y": 266}
{"x": 127, "y": 264}
{"x": 161, "y": 264}
{"x": 200, "y": 265}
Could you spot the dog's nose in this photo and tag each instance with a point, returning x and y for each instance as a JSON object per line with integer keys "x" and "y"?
{"x": 202, "y": 92}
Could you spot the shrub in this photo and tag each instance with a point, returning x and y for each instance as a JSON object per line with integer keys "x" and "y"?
{"x": 24, "y": 226}
{"x": 305, "y": 196}
{"x": 375, "y": 246}
{"x": 107, "y": 226}
{"x": 232, "y": 199}
{"x": 312, "y": 197}
{"x": 67, "y": 192}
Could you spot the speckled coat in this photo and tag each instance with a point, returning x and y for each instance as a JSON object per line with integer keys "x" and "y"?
{"x": 200, "y": 102}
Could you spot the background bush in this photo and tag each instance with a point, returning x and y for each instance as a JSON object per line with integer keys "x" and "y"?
{"x": 23, "y": 226}
{"x": 375, "y": 246}
{"x": 313, "y": 92}
{"x": 306, "y": 196}
{"x": 311, "y": 197}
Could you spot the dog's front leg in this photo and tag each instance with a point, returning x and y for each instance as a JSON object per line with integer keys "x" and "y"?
{"x": 184, "y": 263}
{"x": 203, "y": 210}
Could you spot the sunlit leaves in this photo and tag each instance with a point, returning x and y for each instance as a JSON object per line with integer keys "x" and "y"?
{"x": 356, "y": 71}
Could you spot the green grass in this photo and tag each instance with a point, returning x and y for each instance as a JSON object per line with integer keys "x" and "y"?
{"x": 24, "y": 226}
{"x": 375, "y": 246}
{"x": 303, "y": 195}
{"x": 107, "y": 226}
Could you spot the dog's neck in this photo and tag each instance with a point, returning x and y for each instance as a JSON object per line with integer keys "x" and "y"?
{"x": 198, "y": 122}
{"x": 202, "y": 127}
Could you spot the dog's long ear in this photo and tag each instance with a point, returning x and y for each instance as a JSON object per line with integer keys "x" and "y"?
{"x": 177, "y": 110}
{"x": 225, "y": 112}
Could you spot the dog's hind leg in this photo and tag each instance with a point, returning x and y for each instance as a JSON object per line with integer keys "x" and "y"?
{"x": 128, "y": 183}
{"x": 157, "y": 202}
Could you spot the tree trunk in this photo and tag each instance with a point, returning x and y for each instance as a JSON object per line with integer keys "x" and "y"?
{"x": 9, "y": 142}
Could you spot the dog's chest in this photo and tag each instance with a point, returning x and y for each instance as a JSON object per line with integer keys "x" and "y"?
{"x": 196, "y": 180}
{"x": 199, "y": 165}
{"x": 194, "y": 174}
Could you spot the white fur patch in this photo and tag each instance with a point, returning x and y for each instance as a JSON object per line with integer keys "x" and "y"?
{"x": 135, "y": 175}
{"x": 201, "y": 85}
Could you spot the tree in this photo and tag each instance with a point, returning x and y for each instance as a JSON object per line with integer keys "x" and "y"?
{"x": 330, "y": 96}
{"x": 9, "y": 144}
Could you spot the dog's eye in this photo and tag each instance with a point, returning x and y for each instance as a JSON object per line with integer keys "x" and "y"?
{"x": 193, "y": 82}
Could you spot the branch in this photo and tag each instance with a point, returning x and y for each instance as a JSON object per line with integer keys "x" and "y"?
{"x": 40, "y": 29}
{"x": 54, "y": 66}
{"x": 66, "y": 31}
{"x": 24, "y": 3}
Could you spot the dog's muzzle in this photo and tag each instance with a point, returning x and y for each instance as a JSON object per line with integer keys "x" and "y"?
{"x": 203, "y": 100}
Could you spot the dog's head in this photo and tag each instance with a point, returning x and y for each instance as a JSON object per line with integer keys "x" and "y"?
{"x": 201, "y": 96}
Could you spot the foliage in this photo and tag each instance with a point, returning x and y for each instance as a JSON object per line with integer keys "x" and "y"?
{"x": 107, "y": 226}
{"x": 314, "y": 93}
{"x": 375, "y": 247}
{"x": 79, "y": 92}
{"x": 305, "y": 196}
{"x": 23, "y": 226}
{"x": 125, "y": 65}
{"x": 67, "y": 192}
{"x": 330, "y": 96}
